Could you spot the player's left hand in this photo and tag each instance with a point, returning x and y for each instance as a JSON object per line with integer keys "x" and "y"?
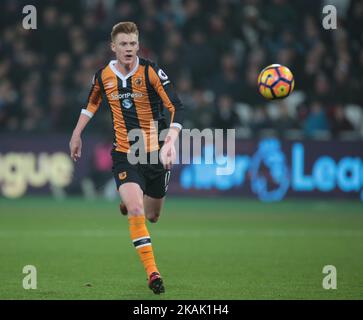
{"x": 168, "y": 155}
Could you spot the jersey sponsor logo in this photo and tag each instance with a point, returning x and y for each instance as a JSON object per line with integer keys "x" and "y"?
{"x": 162, "y": 75}
{"x": 122, "y": 175}
{"x": 128, "y": 95}
{"x": 127, "y": 103}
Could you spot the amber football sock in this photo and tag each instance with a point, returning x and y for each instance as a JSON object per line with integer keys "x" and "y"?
{"x": 142, "y": 242}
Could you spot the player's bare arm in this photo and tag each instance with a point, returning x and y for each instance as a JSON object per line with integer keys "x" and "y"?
{"x": 75, "y": 144}
{"x": 161, "y": 83}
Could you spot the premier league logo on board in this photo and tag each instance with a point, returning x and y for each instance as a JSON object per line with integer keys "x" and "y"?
{"x": 269, "y": 172}
{"x": 127, "y": 103}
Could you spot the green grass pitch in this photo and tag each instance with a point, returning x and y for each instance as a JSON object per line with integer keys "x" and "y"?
{"x": 205, "y": 249}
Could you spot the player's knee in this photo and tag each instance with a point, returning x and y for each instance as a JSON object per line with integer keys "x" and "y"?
{"x": 153, "y": 218}
{"x": 135, "y": 210}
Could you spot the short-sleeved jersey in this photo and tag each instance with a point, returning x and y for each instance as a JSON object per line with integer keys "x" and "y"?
{"x": 136, "y": 101}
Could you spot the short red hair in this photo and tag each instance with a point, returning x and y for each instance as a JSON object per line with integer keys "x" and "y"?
{"x": 124, "y": 27}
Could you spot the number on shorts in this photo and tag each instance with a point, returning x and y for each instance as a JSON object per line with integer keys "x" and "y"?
{"x": 167, "y": 178}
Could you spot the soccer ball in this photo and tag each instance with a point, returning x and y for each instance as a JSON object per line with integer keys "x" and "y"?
{"x": 275, "y": 82}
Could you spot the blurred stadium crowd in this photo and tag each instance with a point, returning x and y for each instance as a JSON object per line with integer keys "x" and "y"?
{"x": 213, "y": 51}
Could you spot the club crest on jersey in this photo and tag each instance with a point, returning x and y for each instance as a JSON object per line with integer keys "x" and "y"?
{"x": 122, "y": 175}
{"x": 138, "y": 82}
{"x": 162, "y": 75}
{"x": 127, "y": 103}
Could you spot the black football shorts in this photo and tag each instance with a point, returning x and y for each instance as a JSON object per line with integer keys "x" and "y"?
{"x": 153, "y": 179}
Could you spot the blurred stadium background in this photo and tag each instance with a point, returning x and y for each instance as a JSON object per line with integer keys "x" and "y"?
{"x": 306, "y": 150}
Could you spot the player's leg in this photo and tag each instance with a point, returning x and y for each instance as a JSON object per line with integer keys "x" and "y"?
{"x": 132, "y": 197}
{"x": 154, "y": 196}
{"x": 153, "y": 208}
{"x": 131, "y": 184}
{"x": 155, "y": 190}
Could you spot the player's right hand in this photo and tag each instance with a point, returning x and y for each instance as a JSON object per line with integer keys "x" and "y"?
{"x": 75, "y": 146}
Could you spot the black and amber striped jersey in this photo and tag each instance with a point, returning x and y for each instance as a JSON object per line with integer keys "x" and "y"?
{"x": 136, "y": 101}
